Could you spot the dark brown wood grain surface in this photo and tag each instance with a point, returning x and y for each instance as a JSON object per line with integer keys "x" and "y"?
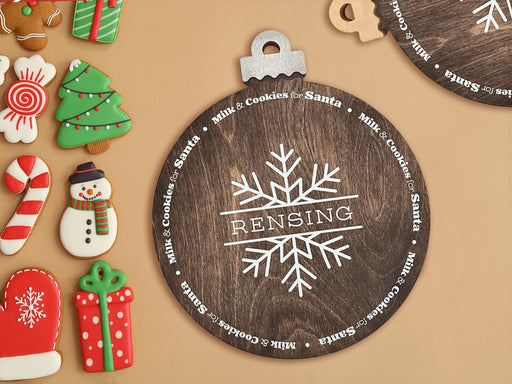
{"x": 464, "y": 45}
{"x": 198, "y": 219}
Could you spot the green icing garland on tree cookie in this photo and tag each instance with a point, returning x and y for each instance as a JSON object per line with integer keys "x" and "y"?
{"x": 89, "y": 110}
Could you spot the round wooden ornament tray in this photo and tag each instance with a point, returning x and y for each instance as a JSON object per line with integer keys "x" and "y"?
{"x": 291, "y": 219}
{"x": 464, "y": 46}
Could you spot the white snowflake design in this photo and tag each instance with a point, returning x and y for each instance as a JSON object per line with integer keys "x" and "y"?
{"x": 287, "y": 188}
{"x": 292, "y": 249}
{"x": 493, "y": 8}
{"x": 30, "y": 307}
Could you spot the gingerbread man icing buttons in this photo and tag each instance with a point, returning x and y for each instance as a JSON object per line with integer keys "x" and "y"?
{"x": 30, "y": 321}
{"x": 27, "y": 20}
{"x": 26, "y": 99}
{"x": 4, "y": 66}
{"x": 88, "y": 227}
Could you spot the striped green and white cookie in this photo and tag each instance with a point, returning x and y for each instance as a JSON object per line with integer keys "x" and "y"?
{"x": 97, "y": 20}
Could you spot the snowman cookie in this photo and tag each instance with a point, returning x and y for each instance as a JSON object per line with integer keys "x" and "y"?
{"x": 88, "y": 227}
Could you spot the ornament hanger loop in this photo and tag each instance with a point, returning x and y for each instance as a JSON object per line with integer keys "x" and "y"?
{"x": 268, "y": 37}
{"x": 259, "y": 65}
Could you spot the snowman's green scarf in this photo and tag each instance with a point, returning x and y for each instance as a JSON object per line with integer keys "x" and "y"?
{"x": 99, "y": 207}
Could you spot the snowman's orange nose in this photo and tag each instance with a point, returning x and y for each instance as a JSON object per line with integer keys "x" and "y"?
{"x": 90, "y": 192}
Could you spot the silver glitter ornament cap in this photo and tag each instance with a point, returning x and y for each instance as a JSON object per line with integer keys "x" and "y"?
{"x": 259, "y": 65}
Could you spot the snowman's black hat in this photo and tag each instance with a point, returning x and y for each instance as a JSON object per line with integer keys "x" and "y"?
{"x": 86, "y": 172}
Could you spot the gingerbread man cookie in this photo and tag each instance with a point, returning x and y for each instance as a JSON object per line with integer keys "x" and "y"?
{"x": 27, "y": 20}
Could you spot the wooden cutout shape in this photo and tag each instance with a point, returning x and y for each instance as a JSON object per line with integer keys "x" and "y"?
{"x": 365, "y": 22}
{"x": 464, "y": 46}
{"x": 291, "y": 219}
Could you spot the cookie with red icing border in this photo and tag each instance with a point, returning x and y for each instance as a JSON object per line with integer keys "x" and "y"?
{"x": 30, "y": 321}
{"x": 27, "y": 20}
{"x": 31, "y": 174}
{"x": 104, "y": 318}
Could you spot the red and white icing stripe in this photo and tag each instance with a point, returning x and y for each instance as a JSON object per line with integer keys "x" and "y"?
{"x": 27, "y": 98}
{"x": 19, "y": 172}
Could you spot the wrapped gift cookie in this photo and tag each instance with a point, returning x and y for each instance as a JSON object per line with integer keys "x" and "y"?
{"x": 104, "y": 319}
{"x": 97, "y": 20}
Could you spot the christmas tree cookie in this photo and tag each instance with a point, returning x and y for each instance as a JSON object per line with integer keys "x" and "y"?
{"x": 89, "y": 110}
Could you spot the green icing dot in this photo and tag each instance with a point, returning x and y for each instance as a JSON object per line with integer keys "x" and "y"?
{"x": 26, "y": 10}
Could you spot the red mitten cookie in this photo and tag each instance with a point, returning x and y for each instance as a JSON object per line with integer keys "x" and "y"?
{"x": 27, "y": 20}
{"x": 29, "y": 326}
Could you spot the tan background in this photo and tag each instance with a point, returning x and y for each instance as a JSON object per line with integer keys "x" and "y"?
{"x": 172, "y": 60}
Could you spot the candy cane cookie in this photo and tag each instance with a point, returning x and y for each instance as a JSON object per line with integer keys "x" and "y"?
{"x": 31, "y": 171}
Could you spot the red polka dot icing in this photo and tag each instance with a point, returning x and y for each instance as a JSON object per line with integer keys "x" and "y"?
{"x": 119, "y": 319}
